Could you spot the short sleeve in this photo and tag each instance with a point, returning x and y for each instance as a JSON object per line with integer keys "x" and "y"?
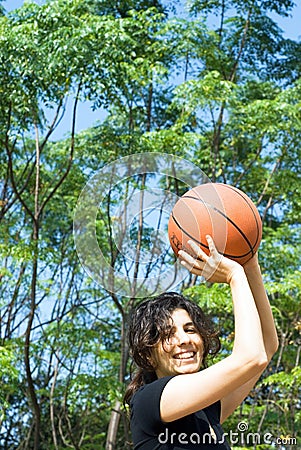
{"x": 149, "y": 432}
{"x": 145, "y": 409}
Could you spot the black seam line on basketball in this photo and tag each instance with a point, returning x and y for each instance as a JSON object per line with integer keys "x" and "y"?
{"x": 228, "y": 255}
{"x": 227, "y": 218}
{"x": 187, "y": 234}
{"x": 227, "y": 186}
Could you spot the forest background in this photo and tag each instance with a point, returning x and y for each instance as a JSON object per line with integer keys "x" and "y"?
{"x": 214, "y": 83}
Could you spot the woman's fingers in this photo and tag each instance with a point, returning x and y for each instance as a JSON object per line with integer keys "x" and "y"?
{"x": 188, "y": 258}
{"x": 211, "y": 245}
{"x": 213, "y": 267}
{"x": 194, "y": 263}
{"x": 197, "y": 250}
{"x": 191, "y": 267}
{"x": 196, "y": 260}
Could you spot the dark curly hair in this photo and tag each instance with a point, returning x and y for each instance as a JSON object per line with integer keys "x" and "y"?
{"x": 150, "y": 324}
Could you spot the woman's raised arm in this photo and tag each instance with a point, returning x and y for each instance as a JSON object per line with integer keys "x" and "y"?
{"x": 187, "y": 393}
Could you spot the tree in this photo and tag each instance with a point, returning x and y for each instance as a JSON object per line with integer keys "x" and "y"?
{"x": 224, "y": 99}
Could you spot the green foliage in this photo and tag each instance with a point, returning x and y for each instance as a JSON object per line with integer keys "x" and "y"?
{"x": 225, "y": 97}
{"x": 8, "y": 377}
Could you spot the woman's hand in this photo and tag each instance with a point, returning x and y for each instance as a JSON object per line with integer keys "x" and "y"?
{"x": 215, "y": 268}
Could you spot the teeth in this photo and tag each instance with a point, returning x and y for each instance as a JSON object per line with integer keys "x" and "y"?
{"x": 185, "y": 355}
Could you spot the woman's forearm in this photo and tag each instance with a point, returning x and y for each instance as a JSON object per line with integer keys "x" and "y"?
{"x": 248, "y": 331}
{"x": 269, "y": 332}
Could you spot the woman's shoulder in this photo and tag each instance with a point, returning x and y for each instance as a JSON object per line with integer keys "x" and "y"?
{"x": 145, "y": 407}
{"x": 151, "y": 390}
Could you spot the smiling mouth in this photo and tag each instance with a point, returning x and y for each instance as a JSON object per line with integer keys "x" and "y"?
{"x": 185, "y": 355}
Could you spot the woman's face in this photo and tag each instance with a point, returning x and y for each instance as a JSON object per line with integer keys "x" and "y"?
{"x": 182, "y": 352}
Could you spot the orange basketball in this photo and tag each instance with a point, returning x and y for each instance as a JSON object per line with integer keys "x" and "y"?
{"x": 222, "y": 211}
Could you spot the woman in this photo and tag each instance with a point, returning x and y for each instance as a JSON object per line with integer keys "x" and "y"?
{"x": 176, "y": 401}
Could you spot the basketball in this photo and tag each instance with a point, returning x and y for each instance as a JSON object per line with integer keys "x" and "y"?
{"x": 222, "y": 211}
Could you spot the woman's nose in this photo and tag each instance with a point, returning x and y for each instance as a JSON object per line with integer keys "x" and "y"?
{"x": 182, "y": 337}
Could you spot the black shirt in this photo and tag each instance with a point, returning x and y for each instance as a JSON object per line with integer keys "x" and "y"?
{"x": 201, "y": 430}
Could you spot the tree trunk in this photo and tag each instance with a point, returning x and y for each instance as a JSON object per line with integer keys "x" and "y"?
{"x": 113, "y": 427}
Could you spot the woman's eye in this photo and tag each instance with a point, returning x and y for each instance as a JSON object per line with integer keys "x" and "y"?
{"x": 190, "y": 330}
